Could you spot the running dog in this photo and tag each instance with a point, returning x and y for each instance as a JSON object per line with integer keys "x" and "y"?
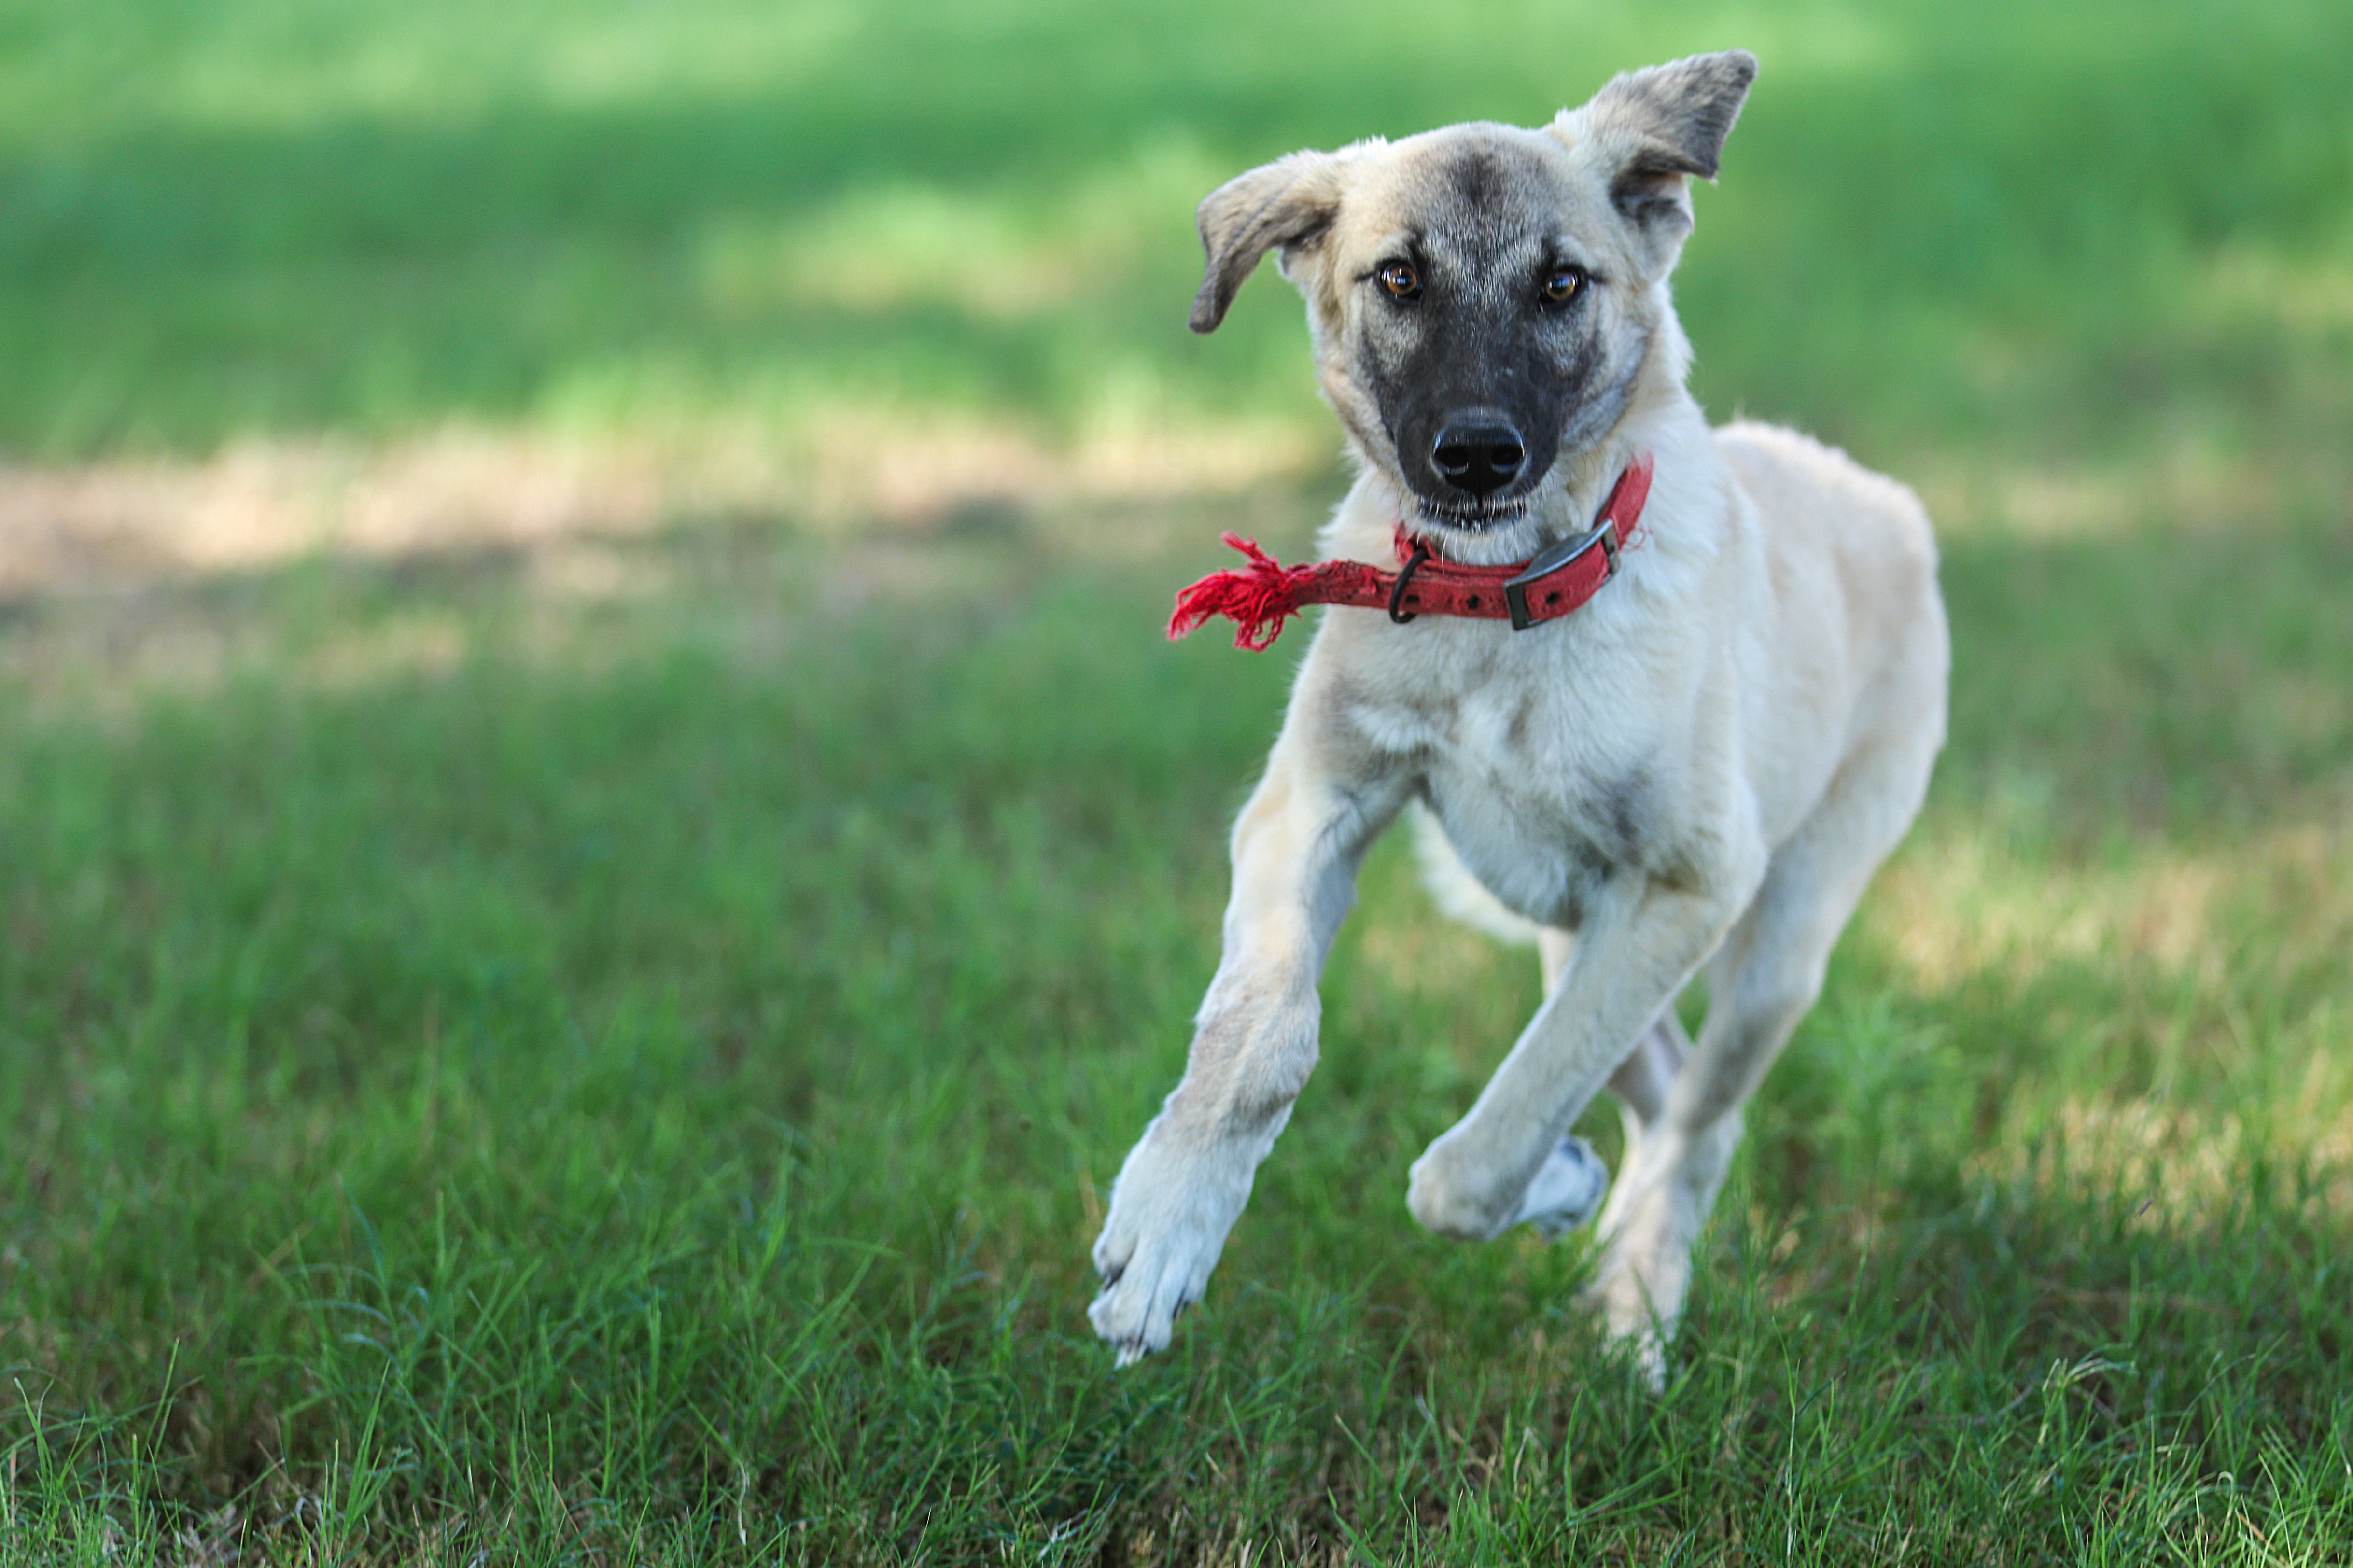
{"x": 1661, "y": 695}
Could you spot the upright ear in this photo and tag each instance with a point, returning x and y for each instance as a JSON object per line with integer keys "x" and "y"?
{"x": 1290, "y": 203}
{"x": 1659, "y": 127}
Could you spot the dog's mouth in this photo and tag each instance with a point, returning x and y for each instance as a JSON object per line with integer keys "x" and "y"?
{"x": 1477, "y": 518}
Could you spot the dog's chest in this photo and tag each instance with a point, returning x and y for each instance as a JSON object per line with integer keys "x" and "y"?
{"x": 1544, "y": 797}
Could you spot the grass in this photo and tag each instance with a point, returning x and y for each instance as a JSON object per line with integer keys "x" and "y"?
{"x": 602, "y": 1040}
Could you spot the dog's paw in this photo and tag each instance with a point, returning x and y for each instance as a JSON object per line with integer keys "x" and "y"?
{"x": 1453, "y": 1191}
{"x": 1639, "y": 1283}
{"x": 1163, "y": 1235}
{"x": 1567, "y": 1189}
{"x": 1630, "y": 1318}
{"x": 1146, "y": 1287}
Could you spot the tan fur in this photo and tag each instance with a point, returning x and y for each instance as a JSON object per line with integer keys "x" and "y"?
{"x": 1700, "y": 768}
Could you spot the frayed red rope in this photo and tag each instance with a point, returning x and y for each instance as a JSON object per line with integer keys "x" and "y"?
{"x": 1258, "y": 598}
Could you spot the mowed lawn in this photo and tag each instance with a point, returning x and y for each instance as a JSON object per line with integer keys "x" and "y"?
{"x": 601, "y": 854}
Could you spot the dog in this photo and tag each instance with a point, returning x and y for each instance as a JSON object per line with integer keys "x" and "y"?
{"x": 1696, "y": 770}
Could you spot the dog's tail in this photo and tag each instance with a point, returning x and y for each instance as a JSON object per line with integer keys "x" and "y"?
{"x": 1457, "y": 892}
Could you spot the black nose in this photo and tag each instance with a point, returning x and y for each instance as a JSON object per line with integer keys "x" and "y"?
{"x": 1480, "y": 458}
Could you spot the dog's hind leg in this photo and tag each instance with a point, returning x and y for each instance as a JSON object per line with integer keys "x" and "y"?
{"x": 1640, "y": 1086}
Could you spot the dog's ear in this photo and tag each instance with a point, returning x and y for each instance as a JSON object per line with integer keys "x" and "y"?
{"x": 1288, "y": 202}
{"x": 1658, "y": 127}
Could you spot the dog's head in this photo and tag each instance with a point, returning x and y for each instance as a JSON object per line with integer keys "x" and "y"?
{"x": 1484, "y": 298}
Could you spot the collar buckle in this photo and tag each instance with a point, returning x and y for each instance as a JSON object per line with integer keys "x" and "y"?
{"x": 1547, "y": 563}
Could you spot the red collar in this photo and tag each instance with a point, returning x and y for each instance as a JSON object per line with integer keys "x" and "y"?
{"x": 1258, "y": 597}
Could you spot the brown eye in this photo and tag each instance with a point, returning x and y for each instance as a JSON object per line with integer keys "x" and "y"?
{"x": 1562, "y": 285}
{"x": 1401, "y": 280}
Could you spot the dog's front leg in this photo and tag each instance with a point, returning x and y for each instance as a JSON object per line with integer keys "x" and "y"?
{"x": 1633, "y": 955}
{"x": 1296, "y": 849}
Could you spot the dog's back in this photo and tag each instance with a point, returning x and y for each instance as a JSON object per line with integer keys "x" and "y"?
{"x": 1819, "y": 512}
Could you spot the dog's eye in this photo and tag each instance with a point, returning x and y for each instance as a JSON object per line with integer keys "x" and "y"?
{"x": 1561, "y": 286}
{"x": 1401, "y": 280}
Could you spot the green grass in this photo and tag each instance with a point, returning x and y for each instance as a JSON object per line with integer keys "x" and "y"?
{"x": 559, "y": 1100}
{"x": 610, "y": 1048}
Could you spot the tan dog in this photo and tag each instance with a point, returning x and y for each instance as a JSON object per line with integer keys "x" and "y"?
{"x": 1701, "y": 766}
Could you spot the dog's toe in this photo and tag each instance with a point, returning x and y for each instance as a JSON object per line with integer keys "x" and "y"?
{"x": 1134, "y": 1319}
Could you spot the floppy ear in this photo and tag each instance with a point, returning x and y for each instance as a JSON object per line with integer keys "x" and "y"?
{"x": 1662, "y": 126}
{"x": 1289, "y": 203}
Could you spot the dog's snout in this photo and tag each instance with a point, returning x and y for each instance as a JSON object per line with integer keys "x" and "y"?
{"x": 1480, "y": 459}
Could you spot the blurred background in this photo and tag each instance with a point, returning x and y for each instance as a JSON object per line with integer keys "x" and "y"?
{"x": 580, "y": 666}
{"x": 2057, "y": 263}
